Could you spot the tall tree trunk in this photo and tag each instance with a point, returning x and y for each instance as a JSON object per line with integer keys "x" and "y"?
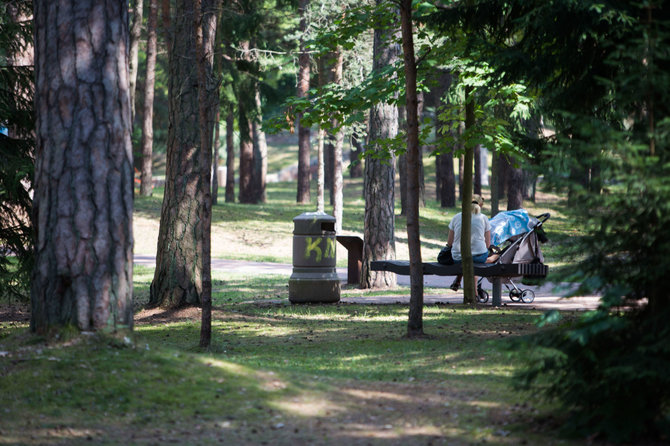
{"x": 515, "y": 188}
{"x": 461, "y": 165}
{"x": 355, "y": 166}
{"x": 260, "y": 150}
{"x": 204, "y": 25}
{"x": 415, "y": 322}
{"x": 504, "y": 173}
{"x": 146, "y": 186}
{"x": 495, "y": 183}
{"x": 246, "y": 104}
{"x": 135, "y": 35}
{"x": 215, "y": 162}
{"x": 446, "y": 181}
{"x": 245, "y": 124}
{"x": 469, "y": 296}
{"x": 83, "y": 201}
{"x": 230, "y": 157}
{"x": 178, "y": 279}
{"x": 477, "y": 186}
{"x": 329, "y": 165}
{"x": 379, "y": 222}
{"x": 320, "y": 197}
{"x": 304, "y": 177}
{"x": 422, "y": 176}
{"x": 321, "y": 148}
{"x": 447, "y": 184}
{"x": 402, "y": 162}
{"x": 337, "y": 151}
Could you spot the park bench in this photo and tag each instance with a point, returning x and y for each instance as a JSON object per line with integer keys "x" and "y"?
{"x": 495, "y": 272}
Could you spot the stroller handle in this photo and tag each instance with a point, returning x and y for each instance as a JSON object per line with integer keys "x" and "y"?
{"x": 543, "y": 217}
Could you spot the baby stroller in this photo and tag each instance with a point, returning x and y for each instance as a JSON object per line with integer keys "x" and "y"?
{"x": 516, "y": 238}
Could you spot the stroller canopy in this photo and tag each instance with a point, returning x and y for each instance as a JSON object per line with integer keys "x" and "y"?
{"x": 519, "y": 229}
{"x": 510, "y": 223}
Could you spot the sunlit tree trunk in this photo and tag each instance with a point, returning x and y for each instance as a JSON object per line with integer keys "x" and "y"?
{"x": 320, "y": 195}
{"x": 495, "y": 183}
{"x": 515, "y": 188}
{"x": 230, "y": 157}
{"x": 246, "y": 103}
{"x": 477, "y": 186}
{"x": 215, "y": 162}
{"x": 337, "y": 151}
{"x": 178, "y": 279}
{"x": 379, "y": 222}
{"x": 304, "y": 177}
{"x": 415, "y": 322}
{"x": 148, "y": 115}
{"x": 204, "y": 24}
{"x": 356, "y": 166}
{"x": 135, "y": 35}
{"x": 466, "y": 204}
{"x": 83, "y": 201}
{"x": 260, "y": 151}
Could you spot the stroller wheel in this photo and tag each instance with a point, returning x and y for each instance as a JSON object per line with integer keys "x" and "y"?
{"x": 528, "y": 296}
{"x": 482, "y": 295}
{"x": 515, "y": 295}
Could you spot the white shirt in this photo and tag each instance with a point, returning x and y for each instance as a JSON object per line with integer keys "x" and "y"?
{"x": 480, "y": 224}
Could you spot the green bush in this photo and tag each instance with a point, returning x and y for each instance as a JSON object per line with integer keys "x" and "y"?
{"x": 610, "y": 373}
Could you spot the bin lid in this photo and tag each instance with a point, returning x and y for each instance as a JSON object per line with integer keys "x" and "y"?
{"x": 313, "y": 223}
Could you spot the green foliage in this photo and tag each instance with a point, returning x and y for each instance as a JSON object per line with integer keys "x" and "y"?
{"x": 601, "y": 72}
{"x": 609, "y": 372}
{"x": 16, "y": 152}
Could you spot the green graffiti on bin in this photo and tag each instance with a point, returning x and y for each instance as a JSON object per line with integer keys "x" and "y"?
{"x": 313, "y": 245}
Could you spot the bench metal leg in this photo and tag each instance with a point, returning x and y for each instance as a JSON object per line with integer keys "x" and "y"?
{"x": 496, "y": 300}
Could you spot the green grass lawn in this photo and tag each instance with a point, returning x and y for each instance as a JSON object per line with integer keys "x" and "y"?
{"x": 276, "y": 374}
{"x": 280, "y": 374}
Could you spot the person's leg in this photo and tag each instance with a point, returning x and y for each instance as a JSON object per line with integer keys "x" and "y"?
{"x": 456, "y": 284}
{"x": 480, "y": 258}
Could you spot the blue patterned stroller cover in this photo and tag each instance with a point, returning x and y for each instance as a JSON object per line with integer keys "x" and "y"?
{"x": 510, "y": 223}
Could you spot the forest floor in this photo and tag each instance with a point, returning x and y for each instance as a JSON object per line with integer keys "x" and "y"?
{"x": 281, "y": 374}
{"x": 277, "y": 375}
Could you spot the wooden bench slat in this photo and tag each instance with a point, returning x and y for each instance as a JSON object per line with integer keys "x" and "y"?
{"x": 484, "y": 270}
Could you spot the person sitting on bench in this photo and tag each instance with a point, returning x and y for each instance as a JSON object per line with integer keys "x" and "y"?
{"x": 480, "y": 237}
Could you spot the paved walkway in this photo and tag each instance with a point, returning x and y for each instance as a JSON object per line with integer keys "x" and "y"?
{"x": 547, "y": 296}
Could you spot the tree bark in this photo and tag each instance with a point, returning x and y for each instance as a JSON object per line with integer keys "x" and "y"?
{"x": 320, "y": 197}
{"x": 422, "y": 182}
{"x": 230, "y": 157}
{"x": 469, "y": 296}
{"x": 337, "y": 151}
{"x": 246, "y": 103}
{"x": 477, "y": 187}
{"x": 83, "y": 199}
{"x": 446, "y": 180}
{"x": 146, "y": 187}
{"x": 304, "y": 176}
{"x": 495, "y": 183}
{"x": 356, "y": 166}
{"x": 415, "y": 322}
{"x": 204, "y": 24}
{"x": 180, "y": 260}
{"x": 515, "y": 188}
{"x": 260, "y": 151}
{"x": 135, "y": 35}
{"x": 447, "y": 184}
{"x": 215, "y": 162}
{"x": 402, "y": 163}
{"x": 379, "y": 222}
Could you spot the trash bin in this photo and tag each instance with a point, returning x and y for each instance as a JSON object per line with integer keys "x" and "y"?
{"x": 314, "y": 277}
